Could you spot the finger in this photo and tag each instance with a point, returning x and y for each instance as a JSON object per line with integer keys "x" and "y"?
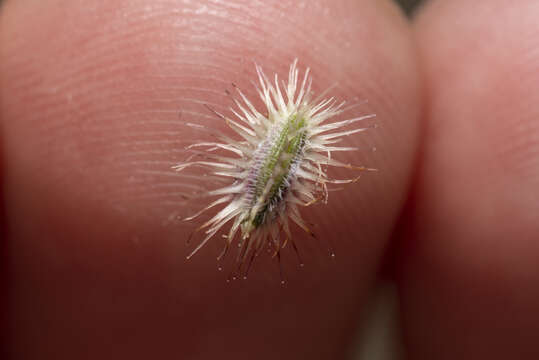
{"x": 94, "y": 108}
{"x": 469, "y": 267}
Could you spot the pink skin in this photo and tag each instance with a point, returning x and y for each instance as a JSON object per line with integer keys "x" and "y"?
{"x": 93, "y": 101}
{"x": 93, "y": 96}
{"x": 469, "y": 267}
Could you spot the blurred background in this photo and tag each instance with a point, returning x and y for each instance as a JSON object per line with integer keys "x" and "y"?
{"x": 409, "y": 5}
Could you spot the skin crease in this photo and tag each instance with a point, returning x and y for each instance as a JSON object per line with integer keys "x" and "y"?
{"x": 94, "y": 98}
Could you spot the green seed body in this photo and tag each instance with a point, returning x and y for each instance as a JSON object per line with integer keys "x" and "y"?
{"x": 282, "y": 150}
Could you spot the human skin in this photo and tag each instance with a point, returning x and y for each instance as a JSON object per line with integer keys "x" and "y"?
{"x": 93, "y": 100}
{"x": 468, "y": 268}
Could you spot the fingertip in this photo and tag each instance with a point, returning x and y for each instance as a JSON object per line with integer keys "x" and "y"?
{"x": 467, "y": 264}
{"x": 94, "y": 100}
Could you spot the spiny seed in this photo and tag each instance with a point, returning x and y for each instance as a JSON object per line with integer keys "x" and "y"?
{"x": 277, "y": 164}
